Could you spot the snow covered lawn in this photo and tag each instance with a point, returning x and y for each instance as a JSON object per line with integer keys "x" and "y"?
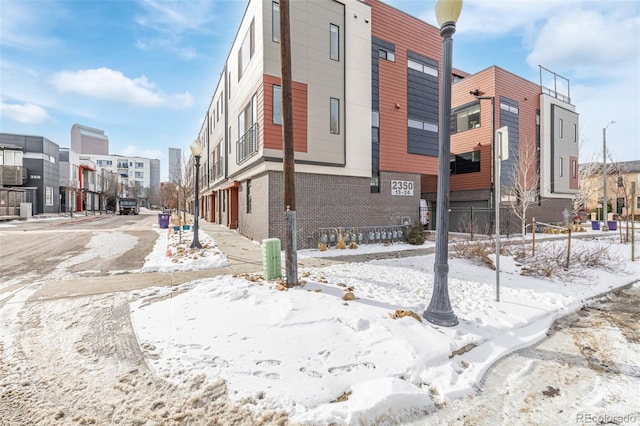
{"x": 324, "y": 359}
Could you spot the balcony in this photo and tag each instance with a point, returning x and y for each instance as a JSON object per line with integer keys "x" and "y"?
{"x": 12, "y": 175}
{"x": 247, "y": 145}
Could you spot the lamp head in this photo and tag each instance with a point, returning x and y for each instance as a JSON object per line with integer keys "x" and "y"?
{"x": 448, "y": 11}
{"x": 475, "y": 92}
{"x": 196, "y": 148}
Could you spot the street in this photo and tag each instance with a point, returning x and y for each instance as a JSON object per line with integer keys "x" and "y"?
{"x": 45, "y": 383}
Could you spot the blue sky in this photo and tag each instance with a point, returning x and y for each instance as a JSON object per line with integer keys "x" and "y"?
{"x": 144, "y": 70}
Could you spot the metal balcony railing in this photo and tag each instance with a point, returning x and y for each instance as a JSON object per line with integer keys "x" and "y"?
{"x": 247, "y": 145}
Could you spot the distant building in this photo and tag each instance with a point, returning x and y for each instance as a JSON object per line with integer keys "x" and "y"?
{"x": 139, "y": 176}
{"x": 175, "y": 164}
{"x": 620, "y": 178}
{"x": 87, "y": 140}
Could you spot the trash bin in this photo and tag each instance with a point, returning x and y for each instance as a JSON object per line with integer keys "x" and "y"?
{"x": 612, "y": 225}
{"x": 595, "y": 225}
{"x": 163, "y": 220}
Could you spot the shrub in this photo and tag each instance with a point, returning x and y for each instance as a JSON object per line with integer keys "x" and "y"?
{"x": 415, "y": 235}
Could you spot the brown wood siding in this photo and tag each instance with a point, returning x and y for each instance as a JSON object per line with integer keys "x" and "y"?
{"x": 273, "y": 132}
{"x": 406, "y": 33}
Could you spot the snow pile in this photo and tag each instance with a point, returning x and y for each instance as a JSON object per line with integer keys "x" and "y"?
{"x": 172, "y": 252}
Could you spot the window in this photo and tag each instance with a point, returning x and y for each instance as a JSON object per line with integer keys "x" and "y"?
{"x": 385, "y": 54}
{"x": 574, "y": 169}
{"x": 334, "y": 116}
{"x": 422, "y": 125}
{"x": 334, "y": 42}
{"x": 561, "y": 125}
{"x": 139, "y": 165}
{"x": 246, "y": 51}
{"x": 249, "y": 196}
{"x": 468, "y": 162}
{"x": 415, "y": 65}
{"x": 48, "y": 196}
{"x": 140, "y": 175}
{"x": 575, "y": 132}
{"x": 375, "y": 119}
{"x": 275, "y": 22}
{"x": 277, "y": 104}
{"x": 620, "y": 182}
{"x": 560, "y": 166}
{"x": 466, "y": 118}
{"x": 507, "y": 107}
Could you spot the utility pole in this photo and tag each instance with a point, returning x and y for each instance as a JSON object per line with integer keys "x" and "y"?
{"x": 291, "y": 256}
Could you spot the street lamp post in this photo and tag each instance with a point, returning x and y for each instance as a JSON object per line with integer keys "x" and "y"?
{"x": 439, "y": 311}
{"x": 605, "y": 226}
{"x": 196, "y": 150}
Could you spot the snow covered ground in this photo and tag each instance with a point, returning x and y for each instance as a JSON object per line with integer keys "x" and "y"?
{"x": 323, "y": 356}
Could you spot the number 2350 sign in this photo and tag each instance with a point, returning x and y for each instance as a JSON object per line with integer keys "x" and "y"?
{"x": 402, "y": 187}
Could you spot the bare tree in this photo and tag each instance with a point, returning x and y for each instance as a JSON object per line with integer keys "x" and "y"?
{"x": 179, "y": 176}
{"x": 618, "y": 182}
{"x": 589, "y": 186}
{"x": 523, "y": 189}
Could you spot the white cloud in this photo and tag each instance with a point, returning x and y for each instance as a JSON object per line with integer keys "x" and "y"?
{"x": 26, "y": 113}
{"x": 171, "y": 16}
{"x": 168, "y": 20}
{"x": 104, "y": 83}
{"x": 588, "y": 43}
{"x": 25, "y": 24}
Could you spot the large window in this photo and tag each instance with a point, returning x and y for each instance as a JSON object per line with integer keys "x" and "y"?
{"x": 275, "y": 22}
{"x": 466, "y": 118}
{"x": 467, "y": 162}
{"x": 560, "y": 166}
{"x": 277, "y": 104}
{"x": 246, "y": 51}
{"x": 334, "y": 42}
{"x": 334, "y": 116}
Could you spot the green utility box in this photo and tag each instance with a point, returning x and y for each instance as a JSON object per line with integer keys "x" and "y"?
{"x": 271, "y": 259}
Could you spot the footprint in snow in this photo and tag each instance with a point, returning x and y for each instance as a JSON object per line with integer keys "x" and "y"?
{"x": 311, "y": 373}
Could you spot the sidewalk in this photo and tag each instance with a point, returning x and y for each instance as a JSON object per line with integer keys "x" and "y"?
{"x": 245, "y": 255}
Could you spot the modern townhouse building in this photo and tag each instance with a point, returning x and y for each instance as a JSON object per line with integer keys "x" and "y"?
{"x": 83, "y": 185}
{"x": 543, "y": 129}
{"x": 40, "y": 170}
{"x": 366, "y": 81}
{"x": 13, "y": 174}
